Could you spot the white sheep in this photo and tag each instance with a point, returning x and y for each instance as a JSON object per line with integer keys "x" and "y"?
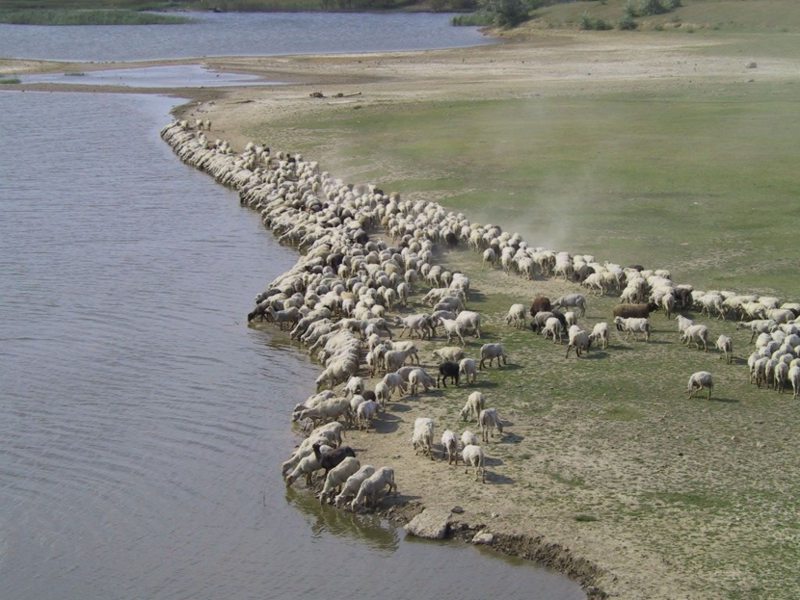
{"x": 365, "y": 413}
{"x": 468, "y": 438}
{"x": 473, "y": 456}
{"x": 492, "y": 351}
{"x": 697, "y": 334}
{"x": 553, "y": 327}
{"x": 469, "y": 321}
{"x": 698, "y": 381}
{"x": 475, "y": 404}
{"x": 337, "y": 476}
{"x": 517, "y": 315}
{"x": 422, "y": 437}
{"x": 450, "y": 446}
{"x": 600, "y": 334}
{"x": 452, "y": 328}
{"x": 373, "y": 487}
{"x": 489, "y": 420}
{"x": 634, "y": 325}
{"x": 794, "y": 378}
{"x": 571, "y": 318}
{"x": 577, "y": 301}
{"x": 579, "y": 340}
{"x": 306, "y": 466}
{"x": 352, "y": 485}
{"x": 354, "y": 385}
{"x": 419, "y": 377}
{"x": 469, "y": 368}
{"x": 449, "y": 354}
{"x": 725, "y": 345}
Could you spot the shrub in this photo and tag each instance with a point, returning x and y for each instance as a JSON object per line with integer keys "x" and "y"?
{"x": 627, "y": 23}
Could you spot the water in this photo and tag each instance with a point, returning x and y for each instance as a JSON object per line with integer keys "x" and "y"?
{"x": 141, "y": 422}
{"x": 239, "y": 34}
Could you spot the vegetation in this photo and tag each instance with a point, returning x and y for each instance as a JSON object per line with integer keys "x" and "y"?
{"x": 9, "y": 80}
{"x": 86, "y": 17}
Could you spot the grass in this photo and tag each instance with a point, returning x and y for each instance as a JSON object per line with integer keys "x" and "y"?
{"x": 10, "y": 80}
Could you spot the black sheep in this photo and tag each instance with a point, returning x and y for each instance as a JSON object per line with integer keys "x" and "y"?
{"x": 447, "y": 369}
{"x": 331, "y": 459}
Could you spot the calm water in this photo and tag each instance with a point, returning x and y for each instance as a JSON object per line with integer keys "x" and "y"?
{"x": 240, "y": 34}
{"x": 141, "y": 422}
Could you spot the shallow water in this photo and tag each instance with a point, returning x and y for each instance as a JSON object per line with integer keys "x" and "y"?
{"x": 142, "y": 422}
{"x": 239, "y": 34}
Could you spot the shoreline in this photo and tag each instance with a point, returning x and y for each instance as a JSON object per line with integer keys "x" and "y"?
{"x": 400, "y": 510}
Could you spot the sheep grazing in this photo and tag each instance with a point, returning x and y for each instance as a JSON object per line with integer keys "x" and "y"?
{"x": 794, "y": 380}
{"x": 489, "y": 420}
{"x": 450, "y": 446}
{"x": 449, "y": 354}
{"x": 579, "y": 340}
{"x": 492, "y": 351}
{"x": 697, "y": 334}
{"x": 352, "y": 485}
{"x": 516, "y": 315}
{"x": 452, "y": 328}
{"x": 448, "y": 369}
{"x": 633, "y": 325}
{"x": 419, "y": 377}
{"x": 472, "y": 455}
{"x": 475, "y": 404}
{"x": 469, "y": 369}
{"x": 422, "y": 437}
{"x": 599, "y": 335}
{"x": 337, "y": 476}
{"x": 372, "y": 488}
{"x": 468, "y": 438}
{"x": 354, "y": 386}
{"x": 725, "y": 345}
{"x": 698, "y": 381}
{"x": 469, "y": 321}
{"x": 307, "y": 465}
{"x": 553, "y": 328}
{"x": 330, "y": 459}
{"x": 540, "y": 304}
{"x": 365, "y": 413}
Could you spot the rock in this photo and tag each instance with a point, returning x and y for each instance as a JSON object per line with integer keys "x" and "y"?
{"x": 431, "y": 523}
{"x": 483, "y": 537}
{"x": 752, "y": 65}
{"x": 457, "y": 509}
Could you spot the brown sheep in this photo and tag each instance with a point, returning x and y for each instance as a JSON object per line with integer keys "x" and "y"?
{"x": 636, "y": 311}
{"x": 540, "y": 304}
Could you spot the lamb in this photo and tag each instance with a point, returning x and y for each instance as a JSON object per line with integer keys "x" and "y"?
{"x": 516, "y": 315}
{"x": 419, "y": 376}
{"x": 473, "y": 456}
{"x": 337, "y": 476}
{"x": 489, "y": 420}
{"x": 698, "y": 381}
{"x": 469, "y": 368}
{"x": 600, "y": 334}
{"x": 373, "y": 486}
{"x": 572, "y": 300}
{"x": 422, "y": 437}
{"x": 725, "y": 345}
{"x": 579, "y": 340}
{"x": 633, "y": 325}
{"x": 352, "y": 485}
{"x": 450, "y": 446}
{"x": 448, "y": 369}
{"x": 492, "y": 351}
{"x": 449, "y": 353}
{"x": 697, "y": 334}
{"x": 475, "y": 404}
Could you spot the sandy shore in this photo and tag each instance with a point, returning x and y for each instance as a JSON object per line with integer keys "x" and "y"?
{"x": 605, "y": 556}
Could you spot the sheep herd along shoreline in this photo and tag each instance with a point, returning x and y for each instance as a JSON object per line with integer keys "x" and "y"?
{"x": 364, "y": 255}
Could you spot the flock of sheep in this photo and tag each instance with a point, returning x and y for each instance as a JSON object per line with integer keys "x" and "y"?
{"x": 342, "y": 297}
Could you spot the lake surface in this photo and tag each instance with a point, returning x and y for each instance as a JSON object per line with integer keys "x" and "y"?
{"x": 239, "y": 34}
{"x": 142, "y": 423}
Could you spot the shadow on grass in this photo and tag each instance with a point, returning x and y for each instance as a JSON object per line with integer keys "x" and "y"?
{"x": 386, "y": 423}
{"x": 498, "y": 479}
{"x": 397, "y": 407}
{"x": 723, "y": 400}
{"x": 511, "y": 438}
{"x": 493, "y": 462}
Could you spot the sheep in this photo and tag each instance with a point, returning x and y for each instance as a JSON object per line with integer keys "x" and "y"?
{"x": 337, "y": 476}
{"x": 635, "y": 311}
{"x": 452, "y": 328}
{"x": 419, "y": 324}
{"x": 422, "y": 436}
{"x": 469, "y": 368}
{"x": 540, "y": 304}
{"x": 698, "y": 381}
{"x": 467, "y": 438}
{"x": 489, "y": 420}
{"x": 394, "y": 381}
{"x": 780, "y": 374}
{"x": 758, "y": 326}
{"x": 352, "y": 485}
{"x": 633, "y": 325}
{"x": 450, "y": 446}
{"x": 394, "y": 359}
{"x": 794, "y": 378}
{"x": 475, "y": 404}
{"x": 571, "y": 318}
{"x": 473, "y": 456}
{"x": 307, "y": 465}
{"x": 373, "y": 486}
{"x": 469, "y": 321}
{"x": 448, "y": 369}
{"x": 492, "y": 351}
{"x": 683, "y": 323}
{"x": 354, "y": 386}
{"x": 725, "y": 345}
{"x": 449, "y": 354}
{"x": 516, "y": 315}
{"x": 330, "y": 459}
{"x": 326, "y": 411}
{"x": 579, "y": 340}
{"x": 365, "y": 413}
{"x": 553, "y": 327}
{"x": 572, "y": 300}
{"x": 419, "y": 376}
{"x": 600, "y": 334}
{"x": 697, "y": 334}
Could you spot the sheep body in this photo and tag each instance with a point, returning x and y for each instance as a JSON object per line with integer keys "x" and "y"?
{"x": 473, "y": 456}
{"x": 698, "y": 381}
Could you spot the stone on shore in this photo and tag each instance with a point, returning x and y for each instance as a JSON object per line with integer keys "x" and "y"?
{"x": 431, "y": 523}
